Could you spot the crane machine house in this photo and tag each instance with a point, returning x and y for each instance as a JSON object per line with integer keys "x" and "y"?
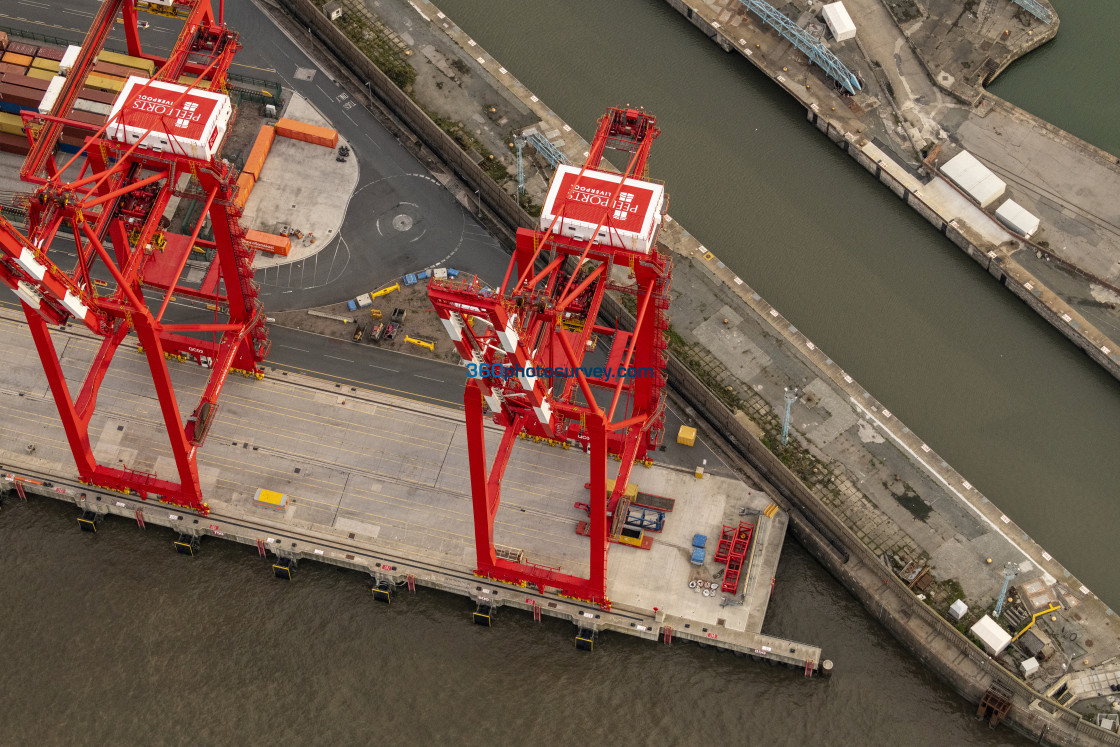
{"x": 579, "y": 201}
{"x": 187, "y": 123}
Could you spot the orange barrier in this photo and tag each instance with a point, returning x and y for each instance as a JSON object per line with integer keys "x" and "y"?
{"x": 245, "y": 184}
{"x": 307, "y": 133}
{"x": 255, "y": 162}
{"x": 268, "y": 242}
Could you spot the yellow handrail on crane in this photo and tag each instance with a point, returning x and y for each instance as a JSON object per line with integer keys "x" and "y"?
{"x": 1037, "y": 615}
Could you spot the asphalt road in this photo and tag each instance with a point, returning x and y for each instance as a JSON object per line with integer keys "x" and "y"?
{"x": 367, "y": 252}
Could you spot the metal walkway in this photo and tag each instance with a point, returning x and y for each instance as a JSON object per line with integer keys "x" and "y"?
{"x": 550, "y": 152}
{"x": 813, "y": 49}
{"x": 1036, "y": 9}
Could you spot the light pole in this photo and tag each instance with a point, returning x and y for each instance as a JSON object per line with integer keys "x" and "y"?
{"x": 791, "y": 396}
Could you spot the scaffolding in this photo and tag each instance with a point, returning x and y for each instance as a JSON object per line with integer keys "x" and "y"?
{"x": 813, "y": 49}
{"x": 551, "y": 153}
{"x": 1036, "y": 9}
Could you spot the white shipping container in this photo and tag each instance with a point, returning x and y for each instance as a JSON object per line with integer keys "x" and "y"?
{"x": 92, "y": 107}
{"x": 1017, "y": 218}
{"x": 974, "y": 178}
{"x": 69, "y": 57}
{"x": 839, "y": 22}
{"x": 50, "y": 96}
{"x": 363, "y": 301}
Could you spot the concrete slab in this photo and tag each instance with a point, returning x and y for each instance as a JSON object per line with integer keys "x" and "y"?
{"x": 302, "y": 187}
{"x": 391, "y": 475}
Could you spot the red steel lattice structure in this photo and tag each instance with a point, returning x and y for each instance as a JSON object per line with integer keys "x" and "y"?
{"x": 113, "y": 209}
{"x": 544, "y": 316}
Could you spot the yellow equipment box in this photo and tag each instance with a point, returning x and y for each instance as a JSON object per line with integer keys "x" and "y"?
{"x": 271, "y": 499}
{"x": 686, "y": 435}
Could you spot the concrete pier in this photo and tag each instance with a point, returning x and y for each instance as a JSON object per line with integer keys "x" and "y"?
{"x": 380, "y": 484}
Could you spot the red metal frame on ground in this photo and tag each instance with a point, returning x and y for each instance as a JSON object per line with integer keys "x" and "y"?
{"x": 544, "y": 315}
{"x": 736, "y": 554}
{"x": 113, "y": 208}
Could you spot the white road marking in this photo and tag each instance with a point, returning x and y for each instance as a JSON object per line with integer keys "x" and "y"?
{"x": 337, "y": 358}
{"x": 429, "y": 378}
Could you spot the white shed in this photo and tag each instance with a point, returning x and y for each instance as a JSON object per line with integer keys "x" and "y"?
{"x": 1029, "y": 666}
{"x": 333, "y": 10}
{"x": 974, "y": 178}
{"x": 994, "y": 638}
{"x": 958, "y": 609}
{"x": 839, "y": 22}
{"x": 1017, "y": 218}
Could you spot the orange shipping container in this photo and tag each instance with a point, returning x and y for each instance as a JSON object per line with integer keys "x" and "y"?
{"x": 18, "y": 59}
{"x": 307, "y": 133}
{"x": 255, "y": 162}
{"x": 245, "y": 184}
{"x": 268, "y": 242}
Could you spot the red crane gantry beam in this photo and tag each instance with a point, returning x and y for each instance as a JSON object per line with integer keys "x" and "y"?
{"x": 113, "y": 208}
{"x": 525, "y": 346}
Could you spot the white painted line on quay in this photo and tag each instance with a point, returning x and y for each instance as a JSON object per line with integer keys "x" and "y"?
{"x": 1045, "y": 574}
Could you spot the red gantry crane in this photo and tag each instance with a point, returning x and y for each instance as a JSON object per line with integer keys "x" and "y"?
{"x": 525, "y": 343}
{"x": 127, "y": 170}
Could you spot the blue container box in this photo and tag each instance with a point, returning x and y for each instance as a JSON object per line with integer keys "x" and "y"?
{"x": 700, "y": 540}
{"x": 698, "y": 554}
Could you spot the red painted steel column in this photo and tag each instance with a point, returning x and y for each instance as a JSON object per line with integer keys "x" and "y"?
{"x": 598, "y": 531}
{"x": 480, "y": 484}
{"x": 75, "y": 427}
{"x": 172, "y": 418}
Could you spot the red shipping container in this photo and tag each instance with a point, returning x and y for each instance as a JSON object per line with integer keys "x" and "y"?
{"x": 101, "y": 97}
{"x": 7, "y": 67}
{"x": 21, "y": 48}
{"x": 79, "y": 116}
{"x": 14, "y": 79}
{"x": 117, "y": 71}
{"x": 50, "y": 53}
{"x": 13, "y": 144}
{"x": 19, "y": 95}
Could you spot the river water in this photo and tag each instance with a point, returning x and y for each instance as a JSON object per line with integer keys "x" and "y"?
{"x": 115, "y": 639}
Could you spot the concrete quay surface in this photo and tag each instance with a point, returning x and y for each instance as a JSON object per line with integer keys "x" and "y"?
{"x": 381, "y": 484}
{"x": 894, "y": 495}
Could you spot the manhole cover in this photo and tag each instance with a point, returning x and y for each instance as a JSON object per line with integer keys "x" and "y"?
{"x": 402, "y": 222}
